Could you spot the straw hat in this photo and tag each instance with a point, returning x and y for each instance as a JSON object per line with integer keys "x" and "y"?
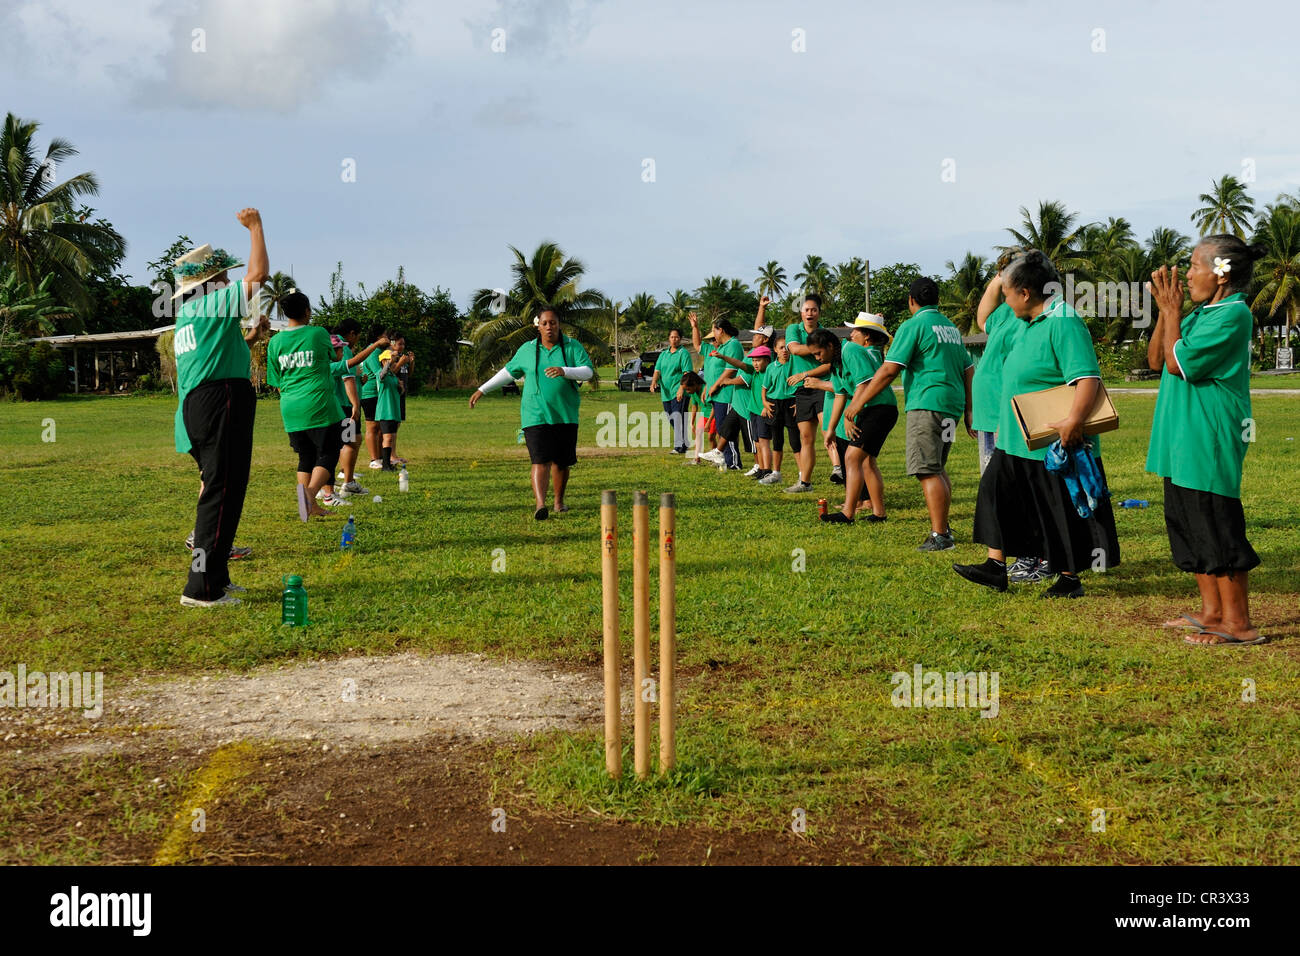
{"x": 199, "y": 265}
{"x": 868, "y": 322}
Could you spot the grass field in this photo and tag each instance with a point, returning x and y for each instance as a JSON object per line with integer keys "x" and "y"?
{"x": 785, "y": 700}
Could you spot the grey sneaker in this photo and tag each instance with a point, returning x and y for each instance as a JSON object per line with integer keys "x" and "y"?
{"x": 235, "y": 589}
{"x": 354, "y": 488}
{"x": 1029, "y": 571}
{"x": 770, "y": 479}
{"x": 937, "y": 542}
{"x": 799, "y": 487}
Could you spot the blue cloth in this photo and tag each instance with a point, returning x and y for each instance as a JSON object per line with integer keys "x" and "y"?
{"x": 1082, "y": 476}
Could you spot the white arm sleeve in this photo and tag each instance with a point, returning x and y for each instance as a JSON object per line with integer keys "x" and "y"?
{"x": 502, "y": 377}
{"x": 579, "y": 373}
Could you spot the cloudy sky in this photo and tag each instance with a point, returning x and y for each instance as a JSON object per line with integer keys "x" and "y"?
{"x": 660, "y": 142}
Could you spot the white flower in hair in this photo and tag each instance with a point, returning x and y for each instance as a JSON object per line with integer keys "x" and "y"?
{"x": 1222, "y": 266}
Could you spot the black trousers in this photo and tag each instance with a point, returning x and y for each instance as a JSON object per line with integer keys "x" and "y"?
{"x": 219, "y": 420}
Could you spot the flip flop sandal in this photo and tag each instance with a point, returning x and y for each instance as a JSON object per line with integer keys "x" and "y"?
{"x": 1192, "y": 623}
{"x": 302, "y": 503}
{"x": 1228, "y": 640}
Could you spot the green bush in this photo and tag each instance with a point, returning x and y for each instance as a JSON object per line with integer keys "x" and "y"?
{"x": 1116, "y": 361}
{"x": 33, "y": 371}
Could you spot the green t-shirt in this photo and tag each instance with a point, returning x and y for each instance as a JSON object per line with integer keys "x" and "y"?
{"x": 858, "y": 364}
{"x": 742, "y": 396}
{"x": 1201, "y": 418}
{"x": 1054, "y": 348}
{"x": 209, "y": 346}
{"x": 339, "y": 390}
{"x": 828, "y": 406}
{"x": 732, "y": 349}
{"x": 934, "y": 361}
{"x": 1002, "y": 328}
{"x": 388, "y": 404}
{"x": 545, "y": 400}
{"x": 298, "y": 363}
{"x": 774, "y": 380}
{"x": 671, "y": 366}
{"x": 370, "y": 375}
{"x": 795, "y": 332}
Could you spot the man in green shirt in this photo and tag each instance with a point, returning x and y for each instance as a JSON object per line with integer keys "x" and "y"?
{"x": 300, "y": 363}
{"x": 937, "y": 371}
{"x": 214, "y": 415}
{"x": 807, "y": 401}
{"x": 349, "y": 330}
{"x": 551, "y": 366}
{"x": 670, "y": 366}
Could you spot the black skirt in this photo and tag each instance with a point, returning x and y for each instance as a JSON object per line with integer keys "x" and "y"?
{"x": 1025, "y": 510}
{"x": 1207, "y": 532}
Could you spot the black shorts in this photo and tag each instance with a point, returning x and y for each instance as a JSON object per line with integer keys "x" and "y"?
{"x": 732, "y": 425}
{"x": 783, "y": 421}
{"x": 874, "y": 422}
{"x": 759, "y": 427}
{"x": 807, "y": 404}
{"x": 317, "y": 447}
{"x": 1207, "y": 532}
{"x": 552, "y": 444}
{"x": 368, "y": 407}
{"x": 388, "y": 426}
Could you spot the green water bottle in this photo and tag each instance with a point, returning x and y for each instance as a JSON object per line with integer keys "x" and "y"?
{"x": 294, "y": 602}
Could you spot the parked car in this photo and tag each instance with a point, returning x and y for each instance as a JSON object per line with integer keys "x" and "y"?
{"x": 637, "y": 374}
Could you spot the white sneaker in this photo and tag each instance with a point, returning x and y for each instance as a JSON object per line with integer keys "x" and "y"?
{"x": 376, "y": 464}
{"x": 714, "y": 456}
{"x": 771, "y": 479}
{"x": 799, "y": 487}
{"x": 340, "y": 476}
{"x": 752, "y": 472}
{"x": 331, "y": 501}
{"x": 224, "y": 601}
{"x": 320, "y": 494}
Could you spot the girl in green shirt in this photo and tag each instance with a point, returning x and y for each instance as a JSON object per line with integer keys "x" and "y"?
{"x": 1200, "y": 432}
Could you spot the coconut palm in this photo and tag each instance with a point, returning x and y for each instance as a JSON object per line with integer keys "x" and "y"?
{"x": 679, "y": 307}
{"x": 644, "y": 310}
{"x": 814, "y": 276}
{"x": 1277, "y": 275}
{"x": 1168, "y": 247}
{"x": 848, "y": 282}
{"x": 26, "y": 312}
{"x": 1227, "y": 208}
{"x": 1055, "y": 234}
{"x": 771, "y": 280}
{"x": 1104, "y": 242}
{"x": 277, "y": 289}
{"x": 962, "y": 291}
{"x": 547, "y": 280}
{"x": 40, "y": 231}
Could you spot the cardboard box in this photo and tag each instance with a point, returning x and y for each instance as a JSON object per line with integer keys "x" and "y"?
{"x": 1035, "y": 409}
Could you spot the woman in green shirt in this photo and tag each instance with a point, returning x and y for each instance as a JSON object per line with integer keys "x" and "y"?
{"x": 1022, "y": 508}
{"x": 1201, "y": 430}
{"x": 551, "y": 367}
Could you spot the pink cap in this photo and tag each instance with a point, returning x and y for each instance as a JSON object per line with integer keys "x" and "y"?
{"x": 761, "y": 352}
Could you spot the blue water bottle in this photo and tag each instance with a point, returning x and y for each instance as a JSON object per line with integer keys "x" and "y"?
{"x": 1133, "y": 503}
{"x": 349, "y": 534}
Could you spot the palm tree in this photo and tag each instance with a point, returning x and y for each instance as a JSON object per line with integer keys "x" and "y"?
{"x": 679, "y": 307}
{"x": 1227, "y": 208}
{"x": 963, "y": 290}
{"x": 547, "y": 280}
{"x": 1168, "y": 247}
{"x": 277, "y": 289}
{"x": 1278, "y": 273}
{"x": 1104, "y": 242}
{"x": 771, "y": 280}
{"x": 644, "y": 310}
{"x": 849, "y": 283}
{"x": 815, "y": 276}
{"x": 40, "y": 234}
{"x": 1054, "y": 234}
{"x": 26, "y": 312}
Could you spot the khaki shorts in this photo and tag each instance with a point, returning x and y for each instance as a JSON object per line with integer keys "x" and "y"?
{"x": 927, "y": 452}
